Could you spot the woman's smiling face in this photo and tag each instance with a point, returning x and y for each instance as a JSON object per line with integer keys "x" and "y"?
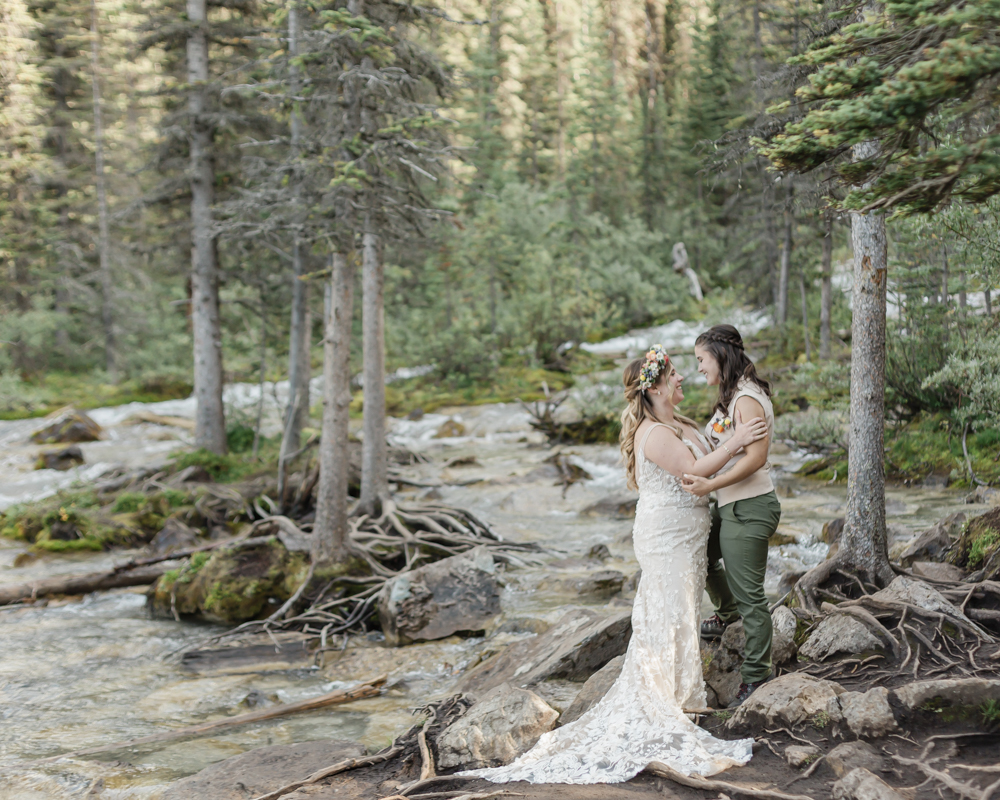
{"x": 707, "y": 365}
{"x": 672, "y": 385}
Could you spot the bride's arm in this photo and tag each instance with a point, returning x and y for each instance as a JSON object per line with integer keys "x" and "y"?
{"x": 744, "y": 434}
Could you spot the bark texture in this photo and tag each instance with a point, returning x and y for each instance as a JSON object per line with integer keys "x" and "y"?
{"x": 826, "y": 289}
{"x": 863, "y": 544}
{"x": 210, "y": 424}
{"x": 786, "y": 252}
{"x": 330, "y": 531}
{"x": 374, "y": 477}
{"x": 103, "y": 237}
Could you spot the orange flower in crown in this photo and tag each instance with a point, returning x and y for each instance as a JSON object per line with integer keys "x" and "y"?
{"x": 656, "y": 361}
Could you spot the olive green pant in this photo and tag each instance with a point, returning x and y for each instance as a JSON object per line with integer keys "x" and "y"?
{"x": 739, "y": 537}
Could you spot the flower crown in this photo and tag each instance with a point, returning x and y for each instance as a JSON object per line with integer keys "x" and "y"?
{"x": 656, "y": 361}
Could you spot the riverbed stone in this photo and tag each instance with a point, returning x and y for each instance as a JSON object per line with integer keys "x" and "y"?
{"x": 174, "y": 535}
{"x": 987, "y": 495}
{"x": 839, "y": 633}
{"x": 798, "y": 755}
{"x": 262, "y": 770}
{"x": 593, "y": 690}
{"x": 62, "y": 459}
{"x": 848, "y": 756}
{"x": 617, "y": 506}
{"x": 604, "y": 583}
{"x": 861, "y": 784}
{"x": 456, "y": 595}
{"x": 868, "y": 714}
{"x": 69, "y": 426}
{"x": 230, "y": 585}
{"x": 787, "y": 701}
{"x": 504, "y": 723}
{"x": 575, "y": 647}
{"x": 933, "y": 543}
{"x": 907, "y": 590}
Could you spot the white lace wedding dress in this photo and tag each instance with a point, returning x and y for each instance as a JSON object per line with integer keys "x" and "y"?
{"x": 641, "y": 718}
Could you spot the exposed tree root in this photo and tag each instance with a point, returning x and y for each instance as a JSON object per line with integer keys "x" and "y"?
{"x": 697, "y": 782}
{"x": 336, "y": 769}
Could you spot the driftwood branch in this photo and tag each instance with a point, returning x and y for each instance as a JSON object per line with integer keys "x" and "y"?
{"x": 78, "y": 584}
{"x": 369, "y": 688}
{"x": 697, "y": 782}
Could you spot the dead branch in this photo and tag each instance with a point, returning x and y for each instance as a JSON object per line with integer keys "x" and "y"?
{"x": 964, "y": 789}
{"x": 326, "y": 772}
{"x": 697, "y": 782}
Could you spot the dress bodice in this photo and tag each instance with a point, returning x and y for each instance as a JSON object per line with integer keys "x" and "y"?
{"x": 657, "y": 486}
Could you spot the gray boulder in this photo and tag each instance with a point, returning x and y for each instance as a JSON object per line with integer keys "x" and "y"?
{"x": 917, "y": 593}
{"x": 937, "y": 571}
{"x": 932, "y": 544}
{"x": 458, "y": 594}
{"x": 593, "y": 690}
{"x": 853, "y": 755}
{"x": 868, "y": 714}
{"x": 261, "y": 771}
{"x": 578, "y": 645}
{"x": 839, "y": 633}
{"x": 987, "y": 495}
{"x": 783, "y": 647}
{"x": 798, "y": 755}
{"x": 605, "y": 583}
{"x": 787, "y": 701}
{"x": 616, "y": 506}
{"x": 506, "y": 722}
{"x": 860, "y": 784}
{"x": 174, "y": 535}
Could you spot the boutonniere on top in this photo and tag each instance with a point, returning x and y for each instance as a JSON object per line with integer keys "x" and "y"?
{"x": 656, "y": 361}
{"x": 723, "y": 424}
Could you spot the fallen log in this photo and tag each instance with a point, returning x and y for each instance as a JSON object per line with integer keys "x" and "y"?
{"x": 342, "y": 766}
{"x": 79, "y": 584}
{"x": 369, "y": 688}
{"x": 661, "y": 770}
{"x": 160, "y": 419}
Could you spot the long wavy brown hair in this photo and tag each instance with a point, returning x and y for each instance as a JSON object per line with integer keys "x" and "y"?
{"x": 726, "y": 346}
{"x": 637, "y": 409}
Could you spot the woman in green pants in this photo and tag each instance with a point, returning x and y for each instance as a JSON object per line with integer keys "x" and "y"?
{"x": 748, "y": 508}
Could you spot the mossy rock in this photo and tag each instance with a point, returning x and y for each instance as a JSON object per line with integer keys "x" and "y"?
{"x": 978, "y": 546}
{"x": 230, "y": 585}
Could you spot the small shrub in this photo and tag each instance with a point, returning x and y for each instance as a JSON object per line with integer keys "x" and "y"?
{"x": 990, "y": 711}
{"x": 982, "y": 547}
{"x": 175, "y": 498}
{"x": 240, "y": 438}
{"x": 128, "y": 503}
{"x": 820, "y": 720}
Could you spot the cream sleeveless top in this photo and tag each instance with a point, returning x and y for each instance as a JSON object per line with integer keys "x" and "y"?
{"x": 760, "y": 481}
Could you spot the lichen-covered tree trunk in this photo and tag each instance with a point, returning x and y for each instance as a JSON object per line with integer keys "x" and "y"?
{"x": 826, "y": 289}
{"x": 330, "y": 531}
{"x": 210, "y": 424}
{"x": 863, "y": 544}
{"x": 374, "y": 474}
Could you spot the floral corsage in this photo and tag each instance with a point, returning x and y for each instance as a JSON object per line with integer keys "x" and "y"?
{"x": 723, "y": 424}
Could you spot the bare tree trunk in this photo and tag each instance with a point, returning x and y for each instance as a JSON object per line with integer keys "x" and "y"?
{"x": 863, "y": 543}
{"x": 262, "y": 374}
{"x": 786, "y": 253}
{"x": 330, "y": 530}
{"x": 805, "y": 315}
{"x": 210, "y": 422}
{"x": 297, "y": 410}
{"x": 374, "y": 477}
{"x": 988, "y": 298}
{"x": 103, "y": 239}
{"x": 826, "y": 289}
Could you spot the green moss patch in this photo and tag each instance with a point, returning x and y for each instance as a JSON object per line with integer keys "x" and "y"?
{"x": 978, "y": 547}
{"x": 231, "y": 585}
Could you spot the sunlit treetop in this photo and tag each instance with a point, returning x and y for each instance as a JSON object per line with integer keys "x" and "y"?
{"x": 918, "y": 76}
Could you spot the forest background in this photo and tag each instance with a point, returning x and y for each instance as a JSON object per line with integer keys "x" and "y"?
{"x": 563, "y": 148}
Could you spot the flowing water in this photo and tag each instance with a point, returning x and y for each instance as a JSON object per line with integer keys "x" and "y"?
{"x": 78, "y": 673}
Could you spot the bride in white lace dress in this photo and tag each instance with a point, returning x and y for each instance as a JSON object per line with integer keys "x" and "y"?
{"x": 642, "y": 717}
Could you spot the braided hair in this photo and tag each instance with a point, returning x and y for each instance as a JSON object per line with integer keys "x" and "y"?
{"x": 726, "y": 346}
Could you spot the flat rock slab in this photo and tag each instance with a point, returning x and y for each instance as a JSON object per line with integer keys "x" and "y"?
{"x": 262, "y": 770}
{"x": 949, "y": 692}
{"x": 937, "y": 571}
{"x": 456, "y": 595}
{"x": 917, "y": 593}
{"x": 578, "y": 645}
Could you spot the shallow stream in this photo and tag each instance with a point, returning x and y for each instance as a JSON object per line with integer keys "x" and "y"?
{"x": 79, "y": 673}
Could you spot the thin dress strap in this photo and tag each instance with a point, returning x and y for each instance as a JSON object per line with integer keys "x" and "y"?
{"x": 642, "y": 446}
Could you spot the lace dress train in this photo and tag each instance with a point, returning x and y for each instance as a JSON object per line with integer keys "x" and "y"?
{"x": 641, "y": 718}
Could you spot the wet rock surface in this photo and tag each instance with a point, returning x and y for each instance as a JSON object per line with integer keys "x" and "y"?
{"x": 616, "y": 506}
{"x": 69, "y": 427}
{"x": 575, "y": 647}
{"x": 262, "y": 770}
{"x": 174, "y": 535}
{"x": 62, "y": 459}
{"x": 458, "y": 594}
{"x": 934, "y": 543}
{"x": 504, "y": 723}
